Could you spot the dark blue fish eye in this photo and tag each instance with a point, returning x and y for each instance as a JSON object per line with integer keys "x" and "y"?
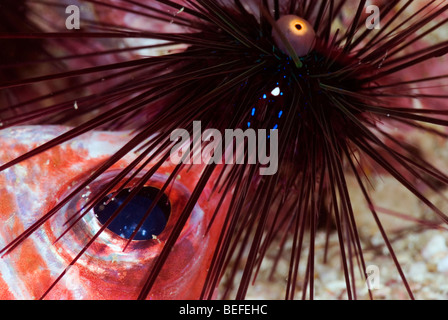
{"x": 130, "y": 216}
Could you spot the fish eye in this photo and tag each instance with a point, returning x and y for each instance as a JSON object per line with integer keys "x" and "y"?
{"x": 134, "y": 219}
{"x": 132, "y": 215}
{"x": 131, "y": 228}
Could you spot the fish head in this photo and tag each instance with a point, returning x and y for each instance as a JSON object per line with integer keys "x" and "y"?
{"x": 59, "y": 253}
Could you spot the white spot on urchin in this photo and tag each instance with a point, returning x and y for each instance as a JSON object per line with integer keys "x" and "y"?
{"x": 275, "y": 92}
